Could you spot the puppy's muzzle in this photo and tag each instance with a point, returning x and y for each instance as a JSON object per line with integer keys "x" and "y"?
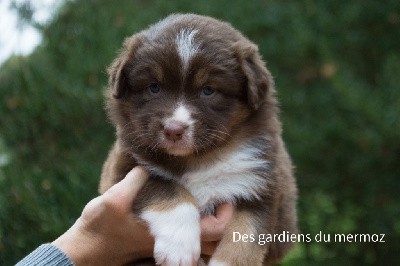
{"x": 174, "y": 130}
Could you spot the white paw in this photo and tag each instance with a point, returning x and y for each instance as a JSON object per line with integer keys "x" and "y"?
{"x": 176, "y": 233}
{"x": 174, "y": 252}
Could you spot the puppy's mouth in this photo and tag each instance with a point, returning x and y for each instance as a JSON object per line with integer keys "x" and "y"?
{"x": 179, "y": 148}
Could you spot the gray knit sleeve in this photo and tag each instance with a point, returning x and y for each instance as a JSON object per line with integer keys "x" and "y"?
{"x": 48, "y": 255}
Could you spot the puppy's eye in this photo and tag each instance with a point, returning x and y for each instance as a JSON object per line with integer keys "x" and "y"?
{"x": 207, "y": 91}
{"x": 154, "y": 88}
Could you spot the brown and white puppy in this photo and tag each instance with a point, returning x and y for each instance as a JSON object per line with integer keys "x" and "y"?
{"x": 193, "y": 102}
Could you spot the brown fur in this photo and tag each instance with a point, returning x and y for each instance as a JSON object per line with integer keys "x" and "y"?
{"x": 244, "y": 110}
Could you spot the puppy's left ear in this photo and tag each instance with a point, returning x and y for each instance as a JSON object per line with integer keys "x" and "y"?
{"x": 259, "y": 79}
{"x": 117, "y": 71}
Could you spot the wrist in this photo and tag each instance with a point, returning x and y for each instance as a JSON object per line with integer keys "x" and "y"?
{"x": 84, "y": 247}
{"x": 78, "y": 246}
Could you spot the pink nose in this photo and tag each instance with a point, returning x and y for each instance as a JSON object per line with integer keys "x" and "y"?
{"x": 174, "y": 131}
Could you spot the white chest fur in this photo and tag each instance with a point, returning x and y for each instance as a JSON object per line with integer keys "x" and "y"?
{"x": 231, "y": 175}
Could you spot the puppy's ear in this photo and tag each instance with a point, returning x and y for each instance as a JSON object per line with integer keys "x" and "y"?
{"x": 117, "y": 81}
{"x": 259, "y": 79}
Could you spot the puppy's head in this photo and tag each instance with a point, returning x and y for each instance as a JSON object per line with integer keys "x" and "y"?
{"x": 185, "y": 86}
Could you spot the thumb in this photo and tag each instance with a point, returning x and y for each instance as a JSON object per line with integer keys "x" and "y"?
{"x": 127, "y": 189}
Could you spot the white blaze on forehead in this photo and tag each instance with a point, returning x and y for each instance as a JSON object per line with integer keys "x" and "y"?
{"x": 186, "y": 46}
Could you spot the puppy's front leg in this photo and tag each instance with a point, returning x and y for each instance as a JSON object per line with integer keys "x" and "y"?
{"x": 174, "y": 220}
{"x": 115, "y": 168}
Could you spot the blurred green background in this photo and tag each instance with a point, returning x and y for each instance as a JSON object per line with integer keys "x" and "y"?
{"x": 337, "y": 70}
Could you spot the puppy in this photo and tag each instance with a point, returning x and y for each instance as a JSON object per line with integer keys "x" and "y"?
{"x": 193, "y": 102}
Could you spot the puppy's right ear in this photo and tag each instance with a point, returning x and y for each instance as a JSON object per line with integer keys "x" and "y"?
{"x": 117, "y": 81}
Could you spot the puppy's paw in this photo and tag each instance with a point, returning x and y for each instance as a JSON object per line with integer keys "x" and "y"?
{"x": 177, "y": 235}
{"x": 170, "y": 251}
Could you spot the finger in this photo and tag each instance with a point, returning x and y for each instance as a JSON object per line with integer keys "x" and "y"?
{"x": 135, "y": 179}
{"x": 213, "y": 227}
{"x": 127, "y": 188}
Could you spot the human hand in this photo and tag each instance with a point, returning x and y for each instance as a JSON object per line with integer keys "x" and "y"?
{"x": 109, "y": 233}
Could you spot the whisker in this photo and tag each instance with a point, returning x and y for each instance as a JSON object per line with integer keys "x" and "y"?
{"x": 219, "y": 131}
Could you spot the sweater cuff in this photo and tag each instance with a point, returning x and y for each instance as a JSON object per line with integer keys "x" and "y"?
{"x": 46, "y": 254}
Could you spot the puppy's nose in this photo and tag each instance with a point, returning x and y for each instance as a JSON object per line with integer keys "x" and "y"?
{"x": 174, "y": 130}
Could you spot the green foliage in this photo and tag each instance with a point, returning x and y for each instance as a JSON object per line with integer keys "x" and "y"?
{"x": 336, "y": 65}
